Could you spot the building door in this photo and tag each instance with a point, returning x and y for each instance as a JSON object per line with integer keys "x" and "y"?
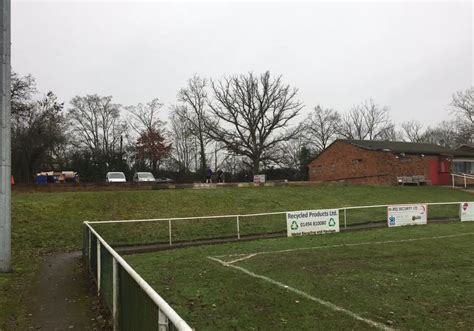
{"x": 439, "y": 171}
{"x": 444, "y": 172}
{"x": 433, "y": 171}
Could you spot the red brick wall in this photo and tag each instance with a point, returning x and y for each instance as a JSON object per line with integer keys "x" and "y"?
{"x": 349, "y": 163}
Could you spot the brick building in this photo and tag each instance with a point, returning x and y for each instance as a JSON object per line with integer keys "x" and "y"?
{"x": 381, "y": 162}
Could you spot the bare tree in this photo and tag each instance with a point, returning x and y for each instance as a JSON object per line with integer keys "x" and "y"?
{"x": 144, "y": 117}
{"x": 251, "y": 116}
{"x": 96, "y": 124}
{"x": 367, "y": 121}
{"x": 232, "y": 164}
{"x": 290, "y": 153}
{"x": 462, "y": 106}
{"x": 351, "y": 125}
{"x": 22, "y": 92}
{"x": 377, "y": 121}
{"x": 322, "y": 127}
{"x": 413, "y": 131}
{"x": 182, "y": 138}
{"x": 195, "y": 98}
{"x": 219, "y": 154}
{"x": 444, "y": 134}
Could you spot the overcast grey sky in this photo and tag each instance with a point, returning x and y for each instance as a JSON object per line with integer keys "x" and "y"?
{"x": 408, "y": 56}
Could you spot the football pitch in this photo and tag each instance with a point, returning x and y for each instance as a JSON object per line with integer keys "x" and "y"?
{"x": 418, "y": 277}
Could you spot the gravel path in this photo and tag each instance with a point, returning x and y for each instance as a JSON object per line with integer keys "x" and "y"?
{"x": 63, "y": 297}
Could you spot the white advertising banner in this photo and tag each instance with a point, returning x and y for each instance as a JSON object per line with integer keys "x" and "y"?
{"x": 467, "y": 211}
{"x": 259, "y": 179}
{"x": 312, "y": 221}
{"x": 400, "y": 215}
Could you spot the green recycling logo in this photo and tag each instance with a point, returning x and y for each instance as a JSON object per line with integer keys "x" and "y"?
{"x": 294, "y": 226}
{"x": 332, "y": 222}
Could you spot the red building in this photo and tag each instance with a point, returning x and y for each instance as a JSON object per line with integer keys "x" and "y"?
{"x": 385, "y": 162}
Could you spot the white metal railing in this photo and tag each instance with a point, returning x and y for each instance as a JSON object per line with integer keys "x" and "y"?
{"x": 238, "y": 217}
{"x": 464, "y": 176}
{"x": 166, "y": 314}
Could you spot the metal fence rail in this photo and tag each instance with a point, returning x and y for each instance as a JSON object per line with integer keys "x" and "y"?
{"x": 136, "y": 306}
{"x": 133, "y": 302}
{"x": 241, "y": 218}
{"x": 463, "y": 178}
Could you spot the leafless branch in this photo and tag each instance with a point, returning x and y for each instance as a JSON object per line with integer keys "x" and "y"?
{"x": 251, "y": 115}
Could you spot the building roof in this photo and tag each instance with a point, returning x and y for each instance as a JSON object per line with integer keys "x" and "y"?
{"x": 408, "y": 147}
{"x": 465, "y": 148}
{"x": 401, "y": 147}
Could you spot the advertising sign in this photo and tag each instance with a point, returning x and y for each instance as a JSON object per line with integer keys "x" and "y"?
{"x": 401, "y": 215}
{"x": 259, "y": 179}
{"x": 467, "y": 211}
{"x": 312, "y": 221}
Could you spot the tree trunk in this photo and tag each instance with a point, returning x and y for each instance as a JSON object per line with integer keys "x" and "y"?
{"x": 215, "y": 159}
{"x": 203, "y": 157}
{"x": 256, "y": 166}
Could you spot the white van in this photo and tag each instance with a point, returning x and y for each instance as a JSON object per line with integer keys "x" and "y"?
{"x": 143, "y": 177}
{"x": 115, "y": 177}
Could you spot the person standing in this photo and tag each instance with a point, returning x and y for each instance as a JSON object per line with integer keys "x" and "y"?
{"x": 220, "y": 175}
{"x": 209, "y": 175}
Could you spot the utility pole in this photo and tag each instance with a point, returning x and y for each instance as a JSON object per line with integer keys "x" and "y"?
{"x": 5, "y": 149}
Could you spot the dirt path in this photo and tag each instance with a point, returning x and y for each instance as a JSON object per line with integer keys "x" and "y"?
{"x": 63, "y": 297}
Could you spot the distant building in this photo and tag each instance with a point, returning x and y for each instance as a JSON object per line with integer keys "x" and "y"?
{"x": 462, "y": 164}
{"x": 386, "y": 162}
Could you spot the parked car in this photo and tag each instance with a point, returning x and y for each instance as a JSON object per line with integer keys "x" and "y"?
{"x": 115, "y": 177}
{"x": 164, "y": 180}
{"x": 141, "y": 177}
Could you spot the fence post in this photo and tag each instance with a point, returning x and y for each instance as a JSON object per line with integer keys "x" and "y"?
{"x": 345, "y": 218}
{"x": 465, "y": 182}
{"x": 162, "y": 321}
{"x": 452, "y": 176}
{"x": 85, "y": 241}
{"x": 90, "y": 247}
{"x": 169, "y": 231}
{"x": 238, "y": 227}
{"x": 98, "y": 267}
{"x": 460, "y": 211}
{"x": 115, "y": 284}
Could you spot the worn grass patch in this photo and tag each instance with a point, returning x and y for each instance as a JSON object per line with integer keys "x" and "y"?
{"x": 421, "y": 284}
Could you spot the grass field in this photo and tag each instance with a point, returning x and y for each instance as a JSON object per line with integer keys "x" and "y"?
{"x": 51, "y": 222}
{"x": 405, "y": 278}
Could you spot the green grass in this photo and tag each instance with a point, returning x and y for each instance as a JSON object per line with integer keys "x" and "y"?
{"x": 49, "y": 222}
{"x": 247, "y": 201}
{"x": 425, "y": 284}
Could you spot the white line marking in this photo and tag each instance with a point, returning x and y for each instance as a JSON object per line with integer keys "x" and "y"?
{"x": 243, "y": 258}
{"x": 305, "y": 295}
{"x": 250, "y": 255}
